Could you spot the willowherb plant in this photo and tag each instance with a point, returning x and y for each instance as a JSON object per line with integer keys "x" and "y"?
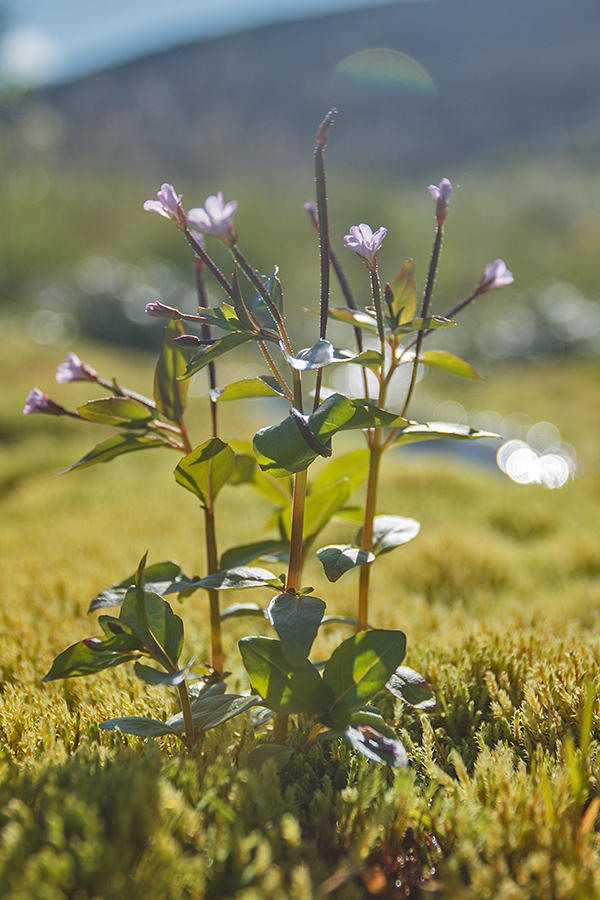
{"x": 336, "y": 694}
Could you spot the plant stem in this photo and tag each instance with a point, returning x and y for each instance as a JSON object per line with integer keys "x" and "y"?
{"x": 203, "y": 255}
{"x": 325, "y": 252}
{"x": 186, "y": 709}
{"x": 433, "y": 263}
{"x": 210, "y": 535}
{"x": 212, "y": 560}
{"x": 205, "y": 331}
{"x": 376, "y": 452}
{"x": 295, "y": 565}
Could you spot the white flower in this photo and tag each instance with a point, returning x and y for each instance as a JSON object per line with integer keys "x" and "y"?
{"x": 168, "y": 205}
{"x": 74, "y": 369}
{"x": 496, "y": 275}
{"x": 364, "y": 242}
{"x": 215, "y": 217}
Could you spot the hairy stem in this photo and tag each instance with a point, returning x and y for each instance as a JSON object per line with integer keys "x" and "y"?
{"x": 186, "y": 709}
{"x": 433, "y": 264}
{"x": 367, "y": 535}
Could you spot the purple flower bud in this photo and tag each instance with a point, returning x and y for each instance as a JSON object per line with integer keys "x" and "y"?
{"x": 366, "y": 244}
{"x": 441, "y": 195}
{"x": 168, "y": 205}
{"x": 160, "y": 311}
{"x": 74, "y": 369}
{"x": 215, "y": 217}
{"x": 323, "y": 130}
{"x": 313, "y": 214}
{"x": 496, "y": 275}
{"x": 38, "y": 402}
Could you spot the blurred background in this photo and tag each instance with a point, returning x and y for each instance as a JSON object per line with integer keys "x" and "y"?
{"x": 101, "y": 103}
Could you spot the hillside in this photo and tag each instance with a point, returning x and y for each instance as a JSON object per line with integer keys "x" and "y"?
{"x": 507, "y": 74}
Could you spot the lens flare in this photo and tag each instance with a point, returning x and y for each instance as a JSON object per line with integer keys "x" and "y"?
{"x": 385, "y": 67}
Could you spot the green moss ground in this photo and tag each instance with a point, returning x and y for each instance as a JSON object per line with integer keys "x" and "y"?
{"x": 499, "y": 597}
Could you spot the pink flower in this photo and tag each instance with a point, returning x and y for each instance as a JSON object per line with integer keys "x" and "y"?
{"x": 366, "y": 244}
{"x": 441, "y": 195}
{"x": 74, "y": 369}
{"x": 38, "y": 402}
{"x": 168, "y": 205}
{"x": 215, "y": 217}
{"x": 496, "y": 275}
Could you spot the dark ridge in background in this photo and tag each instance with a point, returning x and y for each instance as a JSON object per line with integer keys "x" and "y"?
{"x": 510, "y": 74}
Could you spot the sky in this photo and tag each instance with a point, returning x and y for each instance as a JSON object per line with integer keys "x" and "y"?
{"x": 52, "y": 41}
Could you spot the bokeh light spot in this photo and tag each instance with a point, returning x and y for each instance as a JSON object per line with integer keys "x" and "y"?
{"x": 385, "y": 67}
{"x": 29, "y": 184}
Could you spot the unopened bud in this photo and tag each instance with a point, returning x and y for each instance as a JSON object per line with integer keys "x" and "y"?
{"x": 313, "y": 214}
{"x": 160, "y": 311}
{"x": 323, "y": 129}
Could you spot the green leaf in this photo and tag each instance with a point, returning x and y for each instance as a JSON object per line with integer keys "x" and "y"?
{"x": 369, "y": 358}
{"x": 224, "y": 317}
{"x": 152, "y": 617}
{"x": 412, "y": 688}
{"x": 247, "y": 388}
{"x": 154, "y": 676}
{"x": 79, "y": 660}
{"x": 248, "y": 553}
{"x": 240, "y": 306}
{"x": 441, "y": 359}
{"x": 260, "y": 310}
{"x": 236, "y": 579}
{"x": 377, "y": 747}
{"x": 205, "y": 470}
{"x": 337, "y": 559}
{"x": 404, "y": 293}
{"x": 361, "y": 665}
{"x": 170, "y": 394}
{"x": 270, "y": 673}
{"x": 368, "y": 415}
{"x": 322, "y": 505}
{"x": 296, "y": 620}
{"x": 339, "y": 620}
{"x": 429, "y": 323}
{"x": 259, "y": 756}
{"x": 318, "y": 356}
{"x": 243, "y": 610}
{"x": 390, "y": 532}
{"x": 354, "y": 317}
{"x": 370, "y": 717}
{"x": 208, "y": 354}
{"x": 121, "y": 411}
{"x": 117, "y": 446}
{"x": 283, "y": 449}
{"x": 211, "y": 709}
{"x": 139, "y": 726}
{"x": 349, "y": 466}
{"x": 158, "y": 578}
{"x": 440, "y": 431}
